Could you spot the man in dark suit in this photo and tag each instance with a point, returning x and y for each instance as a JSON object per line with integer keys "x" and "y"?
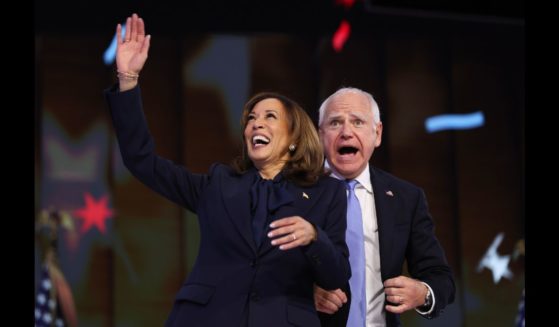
{"x": 396, "y": 226}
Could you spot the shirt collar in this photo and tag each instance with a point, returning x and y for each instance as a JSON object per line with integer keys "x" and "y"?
{"x": 364, "y": 178}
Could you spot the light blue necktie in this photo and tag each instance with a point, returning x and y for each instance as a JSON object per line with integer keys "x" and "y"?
{"x": 355, "y": 243}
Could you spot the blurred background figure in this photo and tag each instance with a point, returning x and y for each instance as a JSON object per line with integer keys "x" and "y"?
{"x": 54, "y": 304}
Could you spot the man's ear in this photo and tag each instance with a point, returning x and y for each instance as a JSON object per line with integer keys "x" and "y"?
{"x": 378, "y": 133}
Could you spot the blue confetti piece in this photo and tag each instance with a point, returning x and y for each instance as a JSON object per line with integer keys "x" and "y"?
{"x": 454, "y": 121}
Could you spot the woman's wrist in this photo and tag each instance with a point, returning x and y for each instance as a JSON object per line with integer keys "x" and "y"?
{"x": 125, "y": 85}
{"x": 315, "y": 236}
{"x": 127, "y": 80}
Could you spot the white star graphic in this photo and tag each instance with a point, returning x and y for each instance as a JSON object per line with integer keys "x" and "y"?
{"x": 498, "y": 264}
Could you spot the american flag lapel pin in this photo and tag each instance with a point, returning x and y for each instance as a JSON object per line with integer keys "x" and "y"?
{"x": 389, "y": 193}
{"x": 305, "y": 195}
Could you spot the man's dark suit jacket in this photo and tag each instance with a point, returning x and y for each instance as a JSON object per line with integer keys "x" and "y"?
{"x": 406, "y": 232}
{"x": 234, "y": 282}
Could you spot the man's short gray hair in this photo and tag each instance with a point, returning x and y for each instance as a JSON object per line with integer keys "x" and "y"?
{"x": 343, "y": 90}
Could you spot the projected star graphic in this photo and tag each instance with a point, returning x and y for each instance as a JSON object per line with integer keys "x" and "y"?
{"x": 492, "y": 260}
{"x": 95, "y": 213}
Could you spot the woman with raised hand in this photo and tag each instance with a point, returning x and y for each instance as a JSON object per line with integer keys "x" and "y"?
{"x": 272, "y": 225}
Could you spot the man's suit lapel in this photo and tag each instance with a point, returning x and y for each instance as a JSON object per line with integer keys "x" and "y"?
{"x": 237, "y": 204}
{"x": 385, "y": 205}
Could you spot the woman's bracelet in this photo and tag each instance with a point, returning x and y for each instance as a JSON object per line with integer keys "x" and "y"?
{"x": 127, "y": 76}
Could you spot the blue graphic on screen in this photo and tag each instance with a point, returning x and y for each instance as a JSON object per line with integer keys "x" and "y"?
{"x": 454, "y": 121}
{"x": 73, "y": 166}
{"x": 229, "y": 74}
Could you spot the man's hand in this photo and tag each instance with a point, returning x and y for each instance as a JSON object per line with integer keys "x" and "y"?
{"x": 406, "y": 293}
{"x": 328, "y": 301}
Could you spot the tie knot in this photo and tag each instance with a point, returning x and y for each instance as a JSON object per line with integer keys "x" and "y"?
{"x": 350, "y": 184}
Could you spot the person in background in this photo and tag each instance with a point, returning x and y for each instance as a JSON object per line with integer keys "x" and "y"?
{"x": 54, "y": 304}
{"x": 390, "y": 224}
{"x": 271, "y": 227}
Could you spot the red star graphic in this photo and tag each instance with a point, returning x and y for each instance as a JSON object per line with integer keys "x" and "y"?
{"x": 94, "y": 213}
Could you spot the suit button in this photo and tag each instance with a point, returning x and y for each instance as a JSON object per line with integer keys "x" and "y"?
{"x": 254, "y": 296}
{"x": 254, "y": 263}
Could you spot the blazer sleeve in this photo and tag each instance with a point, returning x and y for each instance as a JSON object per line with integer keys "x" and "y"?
{"x": 426, "y": 258}
{"x": 137, "y": 148}
{"x": 329, "y": 253}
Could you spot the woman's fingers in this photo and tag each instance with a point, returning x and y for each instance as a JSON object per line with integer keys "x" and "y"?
{"x": 291, "y": 232}
{"x": 127, "y": 34}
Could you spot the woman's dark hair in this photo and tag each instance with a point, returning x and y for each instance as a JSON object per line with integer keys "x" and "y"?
{"x": 305, "y": 163}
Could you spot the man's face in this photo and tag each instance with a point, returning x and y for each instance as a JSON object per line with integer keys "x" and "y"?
{"x": 349, "y": 134}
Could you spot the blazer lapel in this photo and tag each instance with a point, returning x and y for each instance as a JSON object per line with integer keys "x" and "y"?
{"x": 385, "y": 205}
{"x": 237, "y": 204}
{"x": 304, "y": 200}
